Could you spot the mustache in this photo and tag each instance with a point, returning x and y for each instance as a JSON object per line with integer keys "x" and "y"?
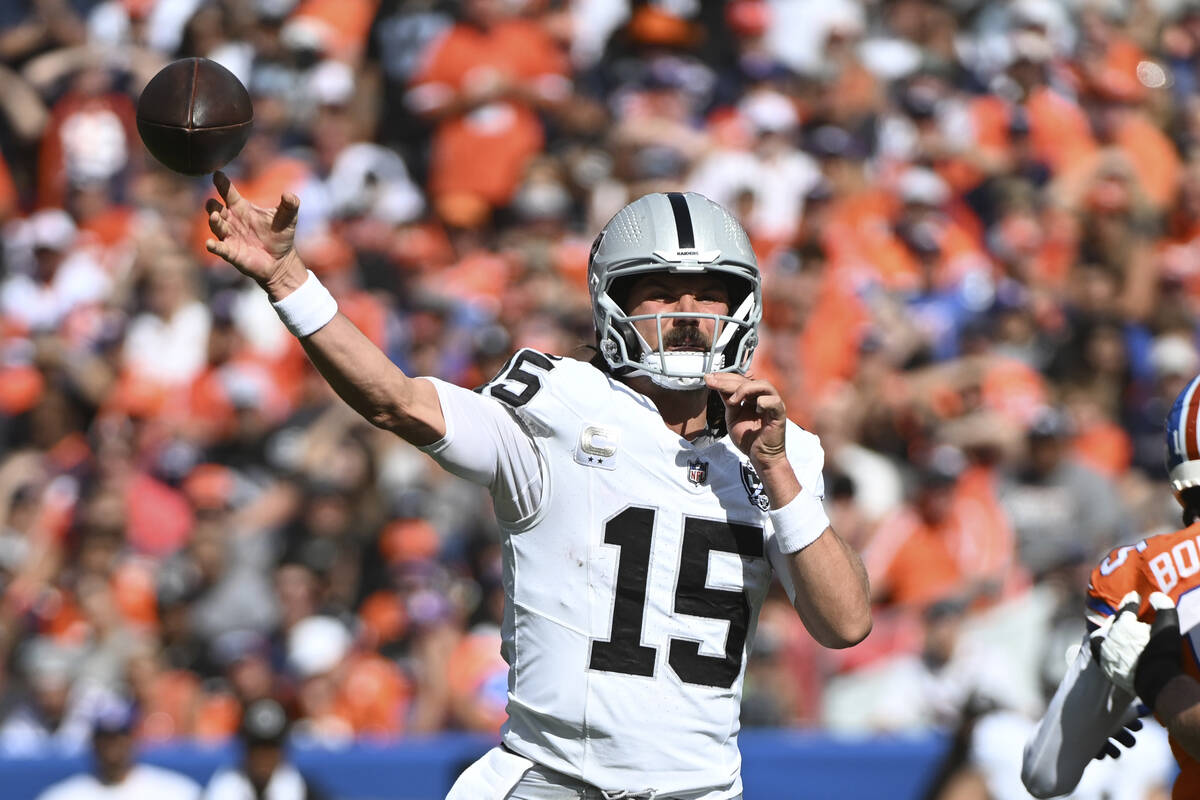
{"x": 686, "y": 336}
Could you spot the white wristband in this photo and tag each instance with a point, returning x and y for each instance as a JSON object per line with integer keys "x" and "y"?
{"x": 308, "y": 309}
{"x": 799, "y": 523}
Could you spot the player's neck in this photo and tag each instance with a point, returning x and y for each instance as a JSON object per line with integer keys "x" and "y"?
{"x": 685, "y": 413}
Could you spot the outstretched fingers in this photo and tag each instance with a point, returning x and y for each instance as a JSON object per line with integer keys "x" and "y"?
{"x": 285, "y": 212}
{"x": 226, "y": 189}
{"x": 218, "y": 224}
{"x": 220, "y": 249}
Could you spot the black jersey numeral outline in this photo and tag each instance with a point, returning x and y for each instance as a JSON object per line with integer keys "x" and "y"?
{"x": 624, "y": 651}
{"x": 515, "y": 371}
{"x": 632, "y": 530}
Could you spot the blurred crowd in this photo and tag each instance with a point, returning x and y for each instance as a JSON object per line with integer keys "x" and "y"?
{"x": 979, "y": 229}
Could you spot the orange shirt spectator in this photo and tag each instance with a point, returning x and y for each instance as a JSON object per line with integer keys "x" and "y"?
{"x": 485, "y": 79}
{"x": 1059, "y": 131}
{"x": 990, "y": 117}
{"x": 913, "y": 562}
{"x": 832, "y": 336}
{"x": 340, "y": 25}
{"x": 1013, "y": 389}
{"x": 1106, "y": 448}
{"x": 8, "y": 192}
{"x": 1152, "y": 155}
{"x": 953, "y": 542}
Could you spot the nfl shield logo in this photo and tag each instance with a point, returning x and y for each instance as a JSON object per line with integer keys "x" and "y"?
{"x": 697, "y": 472}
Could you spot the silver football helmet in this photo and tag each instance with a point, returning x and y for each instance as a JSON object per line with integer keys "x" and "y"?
{"x": 680, "y": 234}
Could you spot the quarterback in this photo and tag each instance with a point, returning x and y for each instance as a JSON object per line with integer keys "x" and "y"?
{"x": 1125, "y": 656}
{"x": 645, "y": 500}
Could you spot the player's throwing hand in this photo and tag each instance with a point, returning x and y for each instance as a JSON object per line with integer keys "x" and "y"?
{"x": 256, "y": 240}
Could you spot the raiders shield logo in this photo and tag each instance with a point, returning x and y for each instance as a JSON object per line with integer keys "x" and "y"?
{"x": 754, "y": 487}
{"x": 697, "y": 472}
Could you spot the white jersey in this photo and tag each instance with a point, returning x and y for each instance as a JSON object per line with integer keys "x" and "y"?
{"x": 635, "y": 564}
{"x": 143, "y": 781}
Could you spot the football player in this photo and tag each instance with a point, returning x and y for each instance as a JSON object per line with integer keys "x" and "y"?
{"x": 645, "y": 500}
{"x": 1127, "y": 656}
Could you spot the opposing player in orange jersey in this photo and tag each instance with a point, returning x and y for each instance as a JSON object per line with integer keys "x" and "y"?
{"x": 1139, "y": 599}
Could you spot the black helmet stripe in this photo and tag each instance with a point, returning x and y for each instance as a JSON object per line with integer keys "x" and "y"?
{"x": 683, "y": 221}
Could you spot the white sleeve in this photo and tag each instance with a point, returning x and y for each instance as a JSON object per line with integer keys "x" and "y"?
{"x": 1085, "y": 709}
{"x": 486, "y": 444}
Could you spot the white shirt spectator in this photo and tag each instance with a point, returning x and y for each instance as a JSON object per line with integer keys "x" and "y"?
{"x": 78, "y": 281}
{"x": 800, "y": 28}
{"x": 778, "y": 182}
{"x": 904, "y": 694}
{"x": 169, "y": 351}
{"x": 143, "y": 781}
{"x": 372, "y": 180}
{"x": 878, "y": 487}
{"x": 286, "y": 784}
{"x": 25, "y": 731}
{"x": 594, "y": 23}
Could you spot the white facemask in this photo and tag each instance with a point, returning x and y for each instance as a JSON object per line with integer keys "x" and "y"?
{"x": 681, "y": 371}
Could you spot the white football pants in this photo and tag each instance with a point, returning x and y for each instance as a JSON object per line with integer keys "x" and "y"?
{"x": 503, "y": 775}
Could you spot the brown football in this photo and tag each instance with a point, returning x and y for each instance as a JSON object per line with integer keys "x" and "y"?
{"x": 194, "y": 116}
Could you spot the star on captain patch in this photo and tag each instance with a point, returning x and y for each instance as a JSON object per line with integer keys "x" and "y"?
{"x": 697, "y": 472}
{"x": 598, "y": 447}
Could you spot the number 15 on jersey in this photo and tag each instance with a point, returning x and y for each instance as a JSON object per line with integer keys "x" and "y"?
{"x": 632, "y": 530}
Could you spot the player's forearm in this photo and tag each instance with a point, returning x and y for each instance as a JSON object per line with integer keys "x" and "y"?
{"x": 833, "y": 597}
{"x": 779, "y": 481}
{"x": 1178, "y": 706}
{"x": 359, "y": 372}
{"x": 372, "y": 385}
{"x": 1085, "y": 709}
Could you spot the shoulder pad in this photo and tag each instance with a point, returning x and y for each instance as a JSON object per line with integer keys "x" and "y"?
{"x": 521, "y": 377}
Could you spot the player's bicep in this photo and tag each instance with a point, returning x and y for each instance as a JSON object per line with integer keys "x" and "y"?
{"x": 487, "y": 445}
{"x": 425, "y": 410}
